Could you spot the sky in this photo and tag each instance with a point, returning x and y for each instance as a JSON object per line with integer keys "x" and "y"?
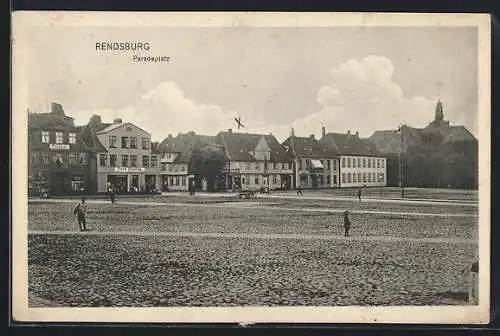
{"x": 275, "y": 79}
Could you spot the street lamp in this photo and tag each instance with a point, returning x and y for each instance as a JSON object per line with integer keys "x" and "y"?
{"x": 401, "y": 179}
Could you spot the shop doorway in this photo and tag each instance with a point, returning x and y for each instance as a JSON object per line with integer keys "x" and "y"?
{"x": 150, "y": 183}
{"x": 135, "y": 183}
{"x": 118, "y": 182}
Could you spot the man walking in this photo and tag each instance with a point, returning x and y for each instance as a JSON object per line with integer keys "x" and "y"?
{"x": 347, "y": 223}
{"x": 359, "y": 194}
{"x": 80, "y": 213}
{"x": 112, "y": 195}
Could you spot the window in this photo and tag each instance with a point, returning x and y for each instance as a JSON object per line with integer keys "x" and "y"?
{"x": 364, "y": 164}
{"x": 348, "y": 162}
{"x": 34, "y": 158}
{"x": 72, "y": 138}
{"x": 243, "y": 180}
{"x": 154, "y": 161}
{"x": 83, "y": 158}
{"x": 183, "y": 181}
{"x": 300, "y": 164}
{"x": 373, "y": 163}
{"x": 46, "y": 158}
{"x": 364, "y": 176}
{"x": 354, "y": 177}
{"x": 145, "y": 161}
{"x": 284, "y": 166}
{"x": 369, "y": 163}
{"x": 45, "y": 137}
{"x": 59, "y": 137}
{"x": 308, "y": 163}
{"x": 112, "y": 160}
{"x": 275, "y": 179}
{"x": 102, "y": 159}
{"x": 112, "y": 141}
{"x": 354, "y": 163}
{"x": 334, "y": 164}
{"x": 382, "y": 177}
{"x": 124, "y": 142}
{"x": 124, "y": 160}
{"x": 133, "y": 160}
{"x": 334, "y": 179}
{"x": 275, "y": 166}
{"x": 383, "y": 163}
{"x": 359, "y": 163}
{"x": 73, "y": 158}
{"x": 349, "y": 178}
{"x": 359, "y": 177}
{"x": 256, "y": 166}
{"x": 256, "y": 180}
{"x": 328, "y": 166}
{"x": 343, "y": 162}
{"x": 374, "y": 178}
{"x": 369, "y": 177}
{"x": 378, "y": 163}
{"x": 343, "y": 177}
{"x": 133, "y": 142}
{"x": 145, "y": 143}
{"x": 328, "y": 179}
{"x": 171, "y": 180}
{"x": 177, "y": 180}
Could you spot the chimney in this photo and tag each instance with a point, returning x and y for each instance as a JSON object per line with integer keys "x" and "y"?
{"x": 95, "y": 119}
{"x": 323, "y": 131}
{"x": 312, "y": 136}
{"x": 170, "y": 136}
{"x": 230, "y": 131}
{"x": 117, "y": 121}
{"x": 56, "y": 108}
{"x": 348, "y": 132}
{"x": 293, "y": 132}
{"x": 357, "y": 134}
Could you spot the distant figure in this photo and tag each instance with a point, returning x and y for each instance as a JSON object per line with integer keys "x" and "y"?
{"x": 299, "y": 192}
{"x": 80, "y": 213}
{"x": 112, "y": 195}
{"x": 359, "y": 194}
{"x": 347, "y": 223}
{"x": 191, "y": 188}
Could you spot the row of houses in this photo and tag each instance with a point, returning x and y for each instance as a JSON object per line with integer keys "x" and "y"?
{"x": 72, "y": 159}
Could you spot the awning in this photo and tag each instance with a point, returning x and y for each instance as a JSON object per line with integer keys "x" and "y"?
{"x": 316, "y": 164}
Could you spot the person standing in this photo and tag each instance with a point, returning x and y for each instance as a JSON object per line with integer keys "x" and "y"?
{"x": 347, "y": 223}
{"x": 80, "y": 212}
{"x": 112, "y": 195}
{"x": 299, "y": 191}
{"x": 359, "y": 194}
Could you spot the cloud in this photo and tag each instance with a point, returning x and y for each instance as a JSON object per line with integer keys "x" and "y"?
{"x": 361, "y": 95}
{"x": 164, "y": 110}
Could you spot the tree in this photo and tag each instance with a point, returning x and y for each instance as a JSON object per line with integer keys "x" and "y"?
{"x": 206, "y": 165}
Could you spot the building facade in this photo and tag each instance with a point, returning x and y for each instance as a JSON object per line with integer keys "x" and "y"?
{"x": 360, "y": 165}
{"x": 125, "y": 160}
{"x": 254, "y": 161}
{"x": 58, "y": 160}
{"x": 314, "y": 165}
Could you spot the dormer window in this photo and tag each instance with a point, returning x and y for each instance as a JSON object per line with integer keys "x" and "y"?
{"x": 72, "y": 138}
{"x": 59, "y": 137}
{"x": 45, "y": 137}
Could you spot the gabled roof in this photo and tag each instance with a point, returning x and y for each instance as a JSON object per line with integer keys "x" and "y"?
{"x": 349, "y": 144}
{"x": 454, "y": 133}
{"x": 118, "y": 125}
{"x": 184, "y": 144}
{"x": 50, "y": 121}
{"x": 308, "y": 147}
{"x": 88, "y": 135}
{"x": 238, "y": 146}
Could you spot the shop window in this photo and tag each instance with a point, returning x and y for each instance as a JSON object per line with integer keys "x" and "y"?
{"x": 73, "y": 158}
{"x": 46, "y": 158}
{"x": 183, "y": 181}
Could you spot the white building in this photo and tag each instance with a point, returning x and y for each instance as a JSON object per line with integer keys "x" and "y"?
{"x": 359, "y": 163}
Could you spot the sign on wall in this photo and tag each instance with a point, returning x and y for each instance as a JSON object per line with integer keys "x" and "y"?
{"x": 59, "y": 146}
{"x": 129, "y": 170}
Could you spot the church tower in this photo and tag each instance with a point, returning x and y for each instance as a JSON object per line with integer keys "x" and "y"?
{"x": 439, "y": 116}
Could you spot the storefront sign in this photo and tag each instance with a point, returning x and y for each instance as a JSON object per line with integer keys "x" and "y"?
{"x": 58, "y": 146}
{"x": 129, "y": 170}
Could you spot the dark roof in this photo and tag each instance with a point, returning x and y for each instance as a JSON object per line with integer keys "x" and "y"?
{"x": 88, "y": 134}
{"x": 349, "y": 144}
{"x": 308, "y": 147}
{"x": 238, "y": 146}
{"x": 50, "y": 121}
{"x": 389, "y": 141}
{"x": 184, "y": 144}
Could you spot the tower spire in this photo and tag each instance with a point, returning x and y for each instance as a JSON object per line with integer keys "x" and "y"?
{"x": 439, "y": 115}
